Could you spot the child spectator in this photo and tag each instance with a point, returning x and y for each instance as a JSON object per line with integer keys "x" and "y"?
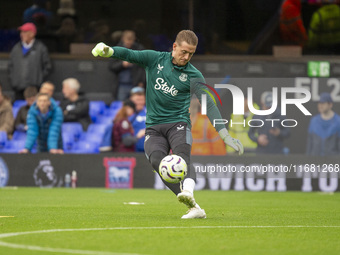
{"x": 20, "y": 120}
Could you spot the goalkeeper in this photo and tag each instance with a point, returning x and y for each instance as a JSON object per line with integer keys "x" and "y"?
{"x": 171, "y": 80}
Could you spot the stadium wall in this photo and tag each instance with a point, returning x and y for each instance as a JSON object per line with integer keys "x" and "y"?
{"x": 253, "y": 173}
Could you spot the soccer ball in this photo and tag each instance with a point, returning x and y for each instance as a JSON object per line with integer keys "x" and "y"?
{"x": 173, "y": 168}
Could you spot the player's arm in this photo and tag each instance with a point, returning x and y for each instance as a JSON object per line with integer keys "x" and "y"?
{"x": 213, "y": 114}
{"x": 140, "y": 57}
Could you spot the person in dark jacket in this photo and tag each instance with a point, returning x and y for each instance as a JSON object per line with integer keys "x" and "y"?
{"x": 29, "y": 62}
{"x": 270, "y": 136}
{"x": 129, "y": 75}
{"x": 20, "y": 123}
{"x": 75, "y": 107}
{"x": 324, "y": 130}
{"x": 44, "y": 122}
{"x": 123, "y": 138}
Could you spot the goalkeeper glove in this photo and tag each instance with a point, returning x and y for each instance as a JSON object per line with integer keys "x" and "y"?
{"x": 101, "y": 49}
{"x": 232, "y": 142}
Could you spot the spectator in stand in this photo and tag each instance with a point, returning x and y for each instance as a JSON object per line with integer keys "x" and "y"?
{"x": 324, "y": 130}
{"x": 123, "y": 138}
{"x": 137, "y": 96}
{"x": 75, "y": 107}
{"x": 240, "y": 131}
{"x": 48, "y": 88}
{"x": 129, "y": 75}
{"x": 44, "y": 122}
{"x": 292, "y": 30}
{"x": 37, "y": 12}
{"x": 20, "y": 123}
{"x": 6, "y": 114}
{"x": 270, "y": 136}
{"x": 29, "y": 62}
{"x": 68, "y": 33}
{"x": 324, "y": 30}
{"x": 206, "y": 140}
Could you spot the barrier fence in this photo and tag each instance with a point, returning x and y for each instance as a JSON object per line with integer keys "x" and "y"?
{"x": 253, "y": 173}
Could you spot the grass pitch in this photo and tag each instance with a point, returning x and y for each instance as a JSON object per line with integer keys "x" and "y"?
{"x": 100, "y": 222}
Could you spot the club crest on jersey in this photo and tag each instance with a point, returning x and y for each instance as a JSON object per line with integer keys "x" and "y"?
{"x": 161, "y": 85}
{"x": 159, "y": 68}
{"x": 183, "y": 77}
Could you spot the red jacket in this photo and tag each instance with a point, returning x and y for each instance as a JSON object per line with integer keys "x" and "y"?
{"x": 292, "y": 29}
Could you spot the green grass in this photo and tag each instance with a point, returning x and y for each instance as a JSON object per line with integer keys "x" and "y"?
{"x": 42, "y": 209}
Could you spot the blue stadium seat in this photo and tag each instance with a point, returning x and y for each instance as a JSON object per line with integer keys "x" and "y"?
{"x": 19, "y": 135}
{"x": 102, "y": 119}
{"x": 74, "y": 128}
{"x": 96, "y": 108}
{"x": 14, "y": 146}
{"x": 3, "y": 139}
{"x": 68, "y": 141}
{"x": 116, "y": 105}
{"x": 97, "y": 128}
{"x": 85, "y": 147}
{"x": 15, "y": 110}
{"x": 19, "y": 103}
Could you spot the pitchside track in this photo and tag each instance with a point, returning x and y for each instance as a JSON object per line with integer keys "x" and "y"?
{"x": 108, "y": 222}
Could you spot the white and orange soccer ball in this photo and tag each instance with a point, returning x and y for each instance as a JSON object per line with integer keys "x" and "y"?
{"x": 173, "y": 168}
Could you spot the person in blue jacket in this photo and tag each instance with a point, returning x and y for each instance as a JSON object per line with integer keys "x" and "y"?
{"x": 324, "y": 130}
{"x": 44, "y": 122}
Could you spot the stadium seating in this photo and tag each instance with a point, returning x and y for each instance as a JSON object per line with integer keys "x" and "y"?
{"x": 116, "y": 105}
{"x": 85, "y": 147}
{"x": 96, "y": 108}
{"x": 15, "y": 110}
{"x": 3, "y": 139}
{"x": 74, "y": 128}
{"x": 14, "y": 146}
{"x": 19, "y": 135}
{"x": 19, "y": 103}
{"x": 102, "y": 119}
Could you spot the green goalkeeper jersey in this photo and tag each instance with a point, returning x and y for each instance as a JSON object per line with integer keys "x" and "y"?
{"x": 169, "y": 87}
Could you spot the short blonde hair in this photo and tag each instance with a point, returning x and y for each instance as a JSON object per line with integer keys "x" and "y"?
{"x": 187, "y": 36}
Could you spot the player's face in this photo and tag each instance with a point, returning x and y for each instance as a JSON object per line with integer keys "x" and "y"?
{"x": 182, "y": 53}
{"x": 43, "y": 103}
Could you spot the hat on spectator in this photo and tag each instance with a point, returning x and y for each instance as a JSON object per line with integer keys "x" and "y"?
{"x": 325, "y": 98}
{"x": 136, "y": 90}
{"x": 28, "y": 27}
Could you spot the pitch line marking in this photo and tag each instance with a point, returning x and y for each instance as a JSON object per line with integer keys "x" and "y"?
{"x": 85, "y": 252}
{"x": 6, "y": 216}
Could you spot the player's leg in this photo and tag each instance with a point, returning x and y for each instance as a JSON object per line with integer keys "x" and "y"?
{"x": 180, "y": 141}
{"x": 156, "y": 147}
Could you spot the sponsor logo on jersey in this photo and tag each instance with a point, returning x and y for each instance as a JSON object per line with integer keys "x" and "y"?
{"x": 161, "y": 85}
{"x": 159, "y": 68}
{"x": 183, "y": 77}
{"x": 147, "y": 138}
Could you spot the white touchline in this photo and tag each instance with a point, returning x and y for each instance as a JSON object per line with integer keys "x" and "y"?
{"x": 85, "y": 252}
